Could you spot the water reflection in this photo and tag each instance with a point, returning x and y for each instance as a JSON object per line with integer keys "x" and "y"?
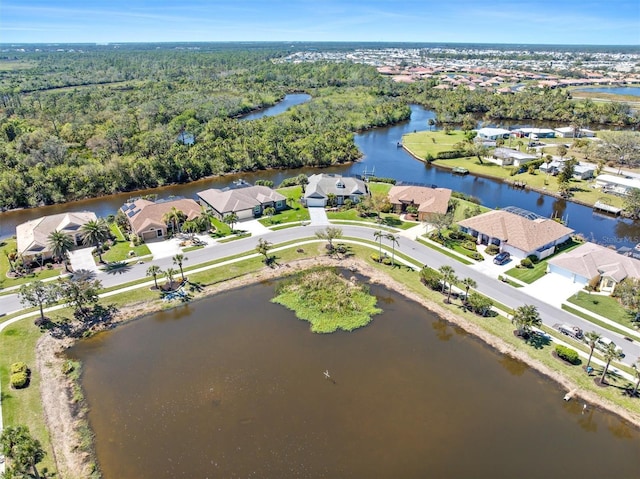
{"x": 233, "y": 387}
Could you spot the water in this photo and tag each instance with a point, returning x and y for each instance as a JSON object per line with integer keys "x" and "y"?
{"x": 288, "y": 101}
{"x": 615, "y": 90}
{"x": 233, "y": 387}
{"x": 382, "y": 156}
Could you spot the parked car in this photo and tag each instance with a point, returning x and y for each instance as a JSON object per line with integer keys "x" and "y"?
{"x": 502, "y": 258}
{"x": 603, "y": 342}
{"x": 570, "y": 330}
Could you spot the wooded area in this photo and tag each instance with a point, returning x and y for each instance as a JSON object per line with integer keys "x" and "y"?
{"x": 79, "y": 124}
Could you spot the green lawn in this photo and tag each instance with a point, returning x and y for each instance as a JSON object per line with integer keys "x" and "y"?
{"x": 222, "y": 228}
{"x": 593, "y": 320}
{"x": 294, "y": 212}
{"x": 120, "y": 251}
{"x": 388, "y": 219}
{"x": 445, "y": 251}
{"x": 8, "y": 245}
{"x": 605, "y": 306}
{"x": 431, "y": 142}
{"x": 529, "y": 275}
{"x": 377, "y": 187}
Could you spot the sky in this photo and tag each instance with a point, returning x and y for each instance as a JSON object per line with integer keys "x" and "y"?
{"x": 577, "y": 22}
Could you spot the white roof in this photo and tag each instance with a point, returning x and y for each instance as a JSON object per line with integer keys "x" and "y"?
{"x": 535, "y": 130}
{"x": 619, "y": 180}
{"x": 493, "y": 131}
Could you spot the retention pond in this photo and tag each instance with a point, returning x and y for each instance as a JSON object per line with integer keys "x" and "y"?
{"x": 233, "y": 386}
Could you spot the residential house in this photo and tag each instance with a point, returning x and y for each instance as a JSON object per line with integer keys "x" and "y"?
{"x": 536, "y": 133}
{"x": 493, "y": 134}
{"x": 519, "y": 232}
{"x": 322, "y": 186}
{"x": 619, "y": 185}
{"x": 33, "y": 236}
{"x": 428, "y": 201}
{"x": 571, "y": 132}
{"x": 509, "y": 157}
{"x": 581, "y": 171}
{"x": 146, "y": 218}
{"x": 244, "y": 200}
{"x": 593, "y": 264}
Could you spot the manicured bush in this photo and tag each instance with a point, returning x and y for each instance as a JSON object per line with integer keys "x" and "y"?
{"x": 470, "y": 245}
{"x": 19, "y": 380}
{"x": 526, "y": 263}
{"x": 19, "y": 367}
{"x": 447, "y": 155}
{"x": 375, "y": 257}
{"x": 533, "y": 258}
{"x": 492, "y": 249}
{"x": 431, "y": 278}
{"x": 477, "y": 256}
{"x": 567, "y": 354}
{"x": 378, "y": 179}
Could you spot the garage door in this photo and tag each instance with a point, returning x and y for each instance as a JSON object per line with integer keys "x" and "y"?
{"x": 567, "y": 274}
{"x": 315, "y": 202}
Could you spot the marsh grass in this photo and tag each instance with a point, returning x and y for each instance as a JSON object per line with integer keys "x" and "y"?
{"x": 327, "y": 300}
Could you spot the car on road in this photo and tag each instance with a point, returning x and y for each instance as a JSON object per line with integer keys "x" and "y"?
{"x": 502, "y": 258}
{"x": 570, "y": 330}
{"x": 603, "y": 342}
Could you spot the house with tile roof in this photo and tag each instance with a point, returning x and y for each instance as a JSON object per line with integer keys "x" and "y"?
{"x": 33, "y": 236}
{"x": 146, "y": 217}
{"x": 521, "y": 235}
{"x": 344, "y": 188}
{"x": 428, "y": 201}
{"x": 591, "y": 263}
{"x": 244, "y": 200}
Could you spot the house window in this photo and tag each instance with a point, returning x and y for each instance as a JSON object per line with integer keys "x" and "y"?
{"x": 159, "y": 233}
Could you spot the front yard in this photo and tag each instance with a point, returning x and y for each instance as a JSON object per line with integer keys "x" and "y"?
{"x": 294, "y": 212}
{"x": 121, "y": 247}
{"x": 7, "y": 246}
{"x": 529, "y": 275}
{"x": 605, "y": 306}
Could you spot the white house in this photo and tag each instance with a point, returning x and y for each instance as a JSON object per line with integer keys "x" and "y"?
{"x": 617, "y": 184}
{"x": 571, "y": 132}
{"x": 493, "y": 134}
{"x": 321, "y": 186}
{"x": 509, "y": 157}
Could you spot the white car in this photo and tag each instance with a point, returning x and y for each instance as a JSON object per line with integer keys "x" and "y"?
{"x": 603, "y": 342}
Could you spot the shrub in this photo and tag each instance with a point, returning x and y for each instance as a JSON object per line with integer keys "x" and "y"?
{"x": 526, "y": 263}
{"x": 429, "y": 158}
{"x": 431, "y": 278}
{"x": 375, "y": 257}
{"x": 447, "y": 155}
{"x": 492, "y": 249}
{"x": 567, "y": 354}
{"x": 19, "y": 367}
{"x": 477, "y": 256}
{"x": 470, "y": 245}
{"x": 379, "y": 179}
{"x": 19, "y": 380}
{"x": 533, "y": 258}
{"x": 386, "y": 260}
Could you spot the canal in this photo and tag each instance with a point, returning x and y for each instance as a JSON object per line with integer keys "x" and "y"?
{"x": 382, "y": 157}
{"x": 233, "y": 386}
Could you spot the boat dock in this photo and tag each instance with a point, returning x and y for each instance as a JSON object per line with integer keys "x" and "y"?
{"x": 600, "y": 206}
{"x": 458, "y": 170}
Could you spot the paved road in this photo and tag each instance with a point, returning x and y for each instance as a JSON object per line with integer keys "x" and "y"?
{"x": 501, "y": 292}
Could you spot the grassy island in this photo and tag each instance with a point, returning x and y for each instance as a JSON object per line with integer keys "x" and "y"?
{"x": 327, "y": 300}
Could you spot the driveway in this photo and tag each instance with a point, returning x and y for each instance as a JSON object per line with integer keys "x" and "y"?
{"x": 552, "y": 289}
{"x": 164, "y": 248}
{"x": 82, "y": 259}
{"x": 318, "y": 216}
{"x": 252, "y": 226}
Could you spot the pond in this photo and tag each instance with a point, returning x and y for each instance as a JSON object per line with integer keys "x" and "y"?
{"x": 233, "y": 386}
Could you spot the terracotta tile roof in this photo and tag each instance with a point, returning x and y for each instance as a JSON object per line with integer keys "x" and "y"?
{"x": 518, "y": 231}
{"x": 590, "y": 260}
{"x": 428, "y": 200}
{"x": 146, "y": 214}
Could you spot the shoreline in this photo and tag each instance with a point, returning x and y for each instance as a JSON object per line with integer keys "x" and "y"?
{"x": 63, "y": 416}
{"x": 505, "y": 181}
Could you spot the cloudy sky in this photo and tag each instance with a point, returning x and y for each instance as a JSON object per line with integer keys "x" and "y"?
{"x": 594, "y": 22}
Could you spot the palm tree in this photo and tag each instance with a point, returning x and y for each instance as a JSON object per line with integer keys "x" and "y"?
{"x": 610, "y": 353}
{"x": 636, "y": 368}
{"x": 174, "y": 217}
{"x": 190, "y": 227}
{"x": 169, "y": 275}
{"x": 155, "y": 271}
{"x": 592, "y": 339}
{"x": 448, "y": 278}
{"x": 394, "y": 241}
{"x": 468, "y": 283}
{"x": 230, "y": 219}
{"x": 329, "y": 233}
{"x": 60, "y": 244}
{"x": 525, "y": 317}
{"x": 178, "y": 259}
{"x": 94, "y": 233}
{"x": 263, "y": 248}
{"x": 205, "y": 220}
{"x": 378, "y": 235}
